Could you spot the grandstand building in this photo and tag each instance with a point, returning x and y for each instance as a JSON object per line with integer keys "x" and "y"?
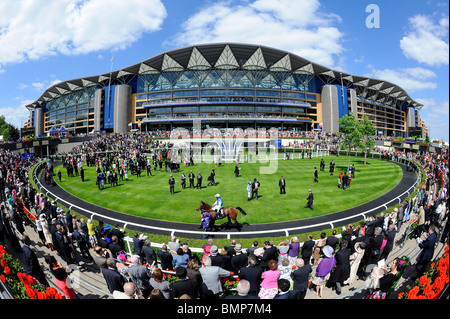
{"x": 225, "y": 85}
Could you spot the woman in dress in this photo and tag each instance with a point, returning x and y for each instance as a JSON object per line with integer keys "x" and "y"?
{"x": 46, "y": 232}
{"x": 318, "y": 248}
{"x": 283, "y": 248}
{"x": 294, "y": 249}
{"x": 61, "y": 276}
{"x": 323, "y": 269}
{"x": 269, "y": 284}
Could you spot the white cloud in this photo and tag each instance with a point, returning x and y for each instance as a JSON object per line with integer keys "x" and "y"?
{"x": 16, "y": 115}
{"x": 41, "y": 28}
{"x": 297, "y": 26}
{"x": 409, "y": 79}
{"x": 427, "y": 41}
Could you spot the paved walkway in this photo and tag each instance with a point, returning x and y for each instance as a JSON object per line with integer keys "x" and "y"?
{"x": 308, "y": 225}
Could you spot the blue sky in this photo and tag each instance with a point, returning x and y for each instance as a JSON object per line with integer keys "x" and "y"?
{"x": 43, "y": 42}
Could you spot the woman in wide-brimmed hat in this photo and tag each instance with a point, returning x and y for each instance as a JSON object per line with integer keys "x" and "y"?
{"x": 323, "y": 269}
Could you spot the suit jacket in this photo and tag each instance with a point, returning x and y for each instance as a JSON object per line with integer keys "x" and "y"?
{"x": 301, "y": 277}
{"x": 150, "y": 255}
{"x": 184, "y": 286}
{"x": 427, "y": 248}
{"x": 291, "y": 294}
{"x": 166, "y": 259}
{"x": 282, "y": 183}
{"x": 114, "y": 280}
{"x": 390, "y": 236}
{"x": 307, "y": 248}
{"x": 211, "y": 279}
{"x": 140, "y": 275}
{"x": 253, "y": 275}
{"x": 310, "y": 198}
{"x": 32, "y": 263}
{"x": 269, "y": 253}
{"x": 217, "y": 260}
{"x": 238, "y": 261}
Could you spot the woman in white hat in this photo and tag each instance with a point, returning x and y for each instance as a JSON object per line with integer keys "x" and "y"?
{"x": 46, "y": 231}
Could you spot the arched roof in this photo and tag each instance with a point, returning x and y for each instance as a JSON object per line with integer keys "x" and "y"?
{"x": 235, "y": 56}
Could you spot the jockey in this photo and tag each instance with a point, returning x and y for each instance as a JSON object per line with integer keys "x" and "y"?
{"x": 218, "y": 204}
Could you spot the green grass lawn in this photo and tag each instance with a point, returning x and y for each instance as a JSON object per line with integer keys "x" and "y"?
{"x": 150, "y": 197}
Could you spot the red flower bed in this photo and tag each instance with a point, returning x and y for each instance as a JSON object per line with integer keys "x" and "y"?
{"x": 23, "y": 286}
{"x": 431, "y": 284}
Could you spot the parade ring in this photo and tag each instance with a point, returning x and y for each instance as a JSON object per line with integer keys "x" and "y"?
{"x": 404, "y": 188}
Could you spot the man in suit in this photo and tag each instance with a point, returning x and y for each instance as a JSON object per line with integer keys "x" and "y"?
{"x": 270, "y": 252}
{"x": 427, "y": 253}
{"x": 183, "y": 180}
{"x": 63, "y": 243}
{"x": 300, "y": 277}
{"x": 31, "y": 262}
{"x": 282, "y": 185}
{"x": 316, "y": 175}
{"x": 184, "y": 285}
{"x": 373, "y": 250}
{"x": 284, "y": 292}
{"x": 252, "y": 273}
{"x": 332, "y": 168}
{"x": 255, "y": 188}
{"x": 114, "y": 247}
{"x": 199, "y": 180}
{"x": 140, "y": 275}
{"x": 211, "y": 275}
{"x": 172, "y": 184}
{"x": 307, "y": 249}
{"x": 238, "y": 260}
{"x": 165, "y": 258}
{"x": 216, "y": 258}
{"x": 310, "y": 199}
{"x": 149, "y": 253}
{"x": 191, "y": 179}
{"x": 99, "y": 258}
{"x": 114, "y": 280}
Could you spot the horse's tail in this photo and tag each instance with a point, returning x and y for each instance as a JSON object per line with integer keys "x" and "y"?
{"x": 241, "y": 210}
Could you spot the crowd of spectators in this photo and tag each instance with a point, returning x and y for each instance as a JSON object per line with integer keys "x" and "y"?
{"x": 265, "y": 270}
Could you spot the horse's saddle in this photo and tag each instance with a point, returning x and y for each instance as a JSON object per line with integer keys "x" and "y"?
{"x": 220, "y": 213}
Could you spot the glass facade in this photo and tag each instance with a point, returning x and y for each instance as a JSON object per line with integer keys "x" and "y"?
{"x": 231, "y": 95}
{"x": 74, "y": 111}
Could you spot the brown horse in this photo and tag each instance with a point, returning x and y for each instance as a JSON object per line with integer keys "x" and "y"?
{"x": 228, "y": 211}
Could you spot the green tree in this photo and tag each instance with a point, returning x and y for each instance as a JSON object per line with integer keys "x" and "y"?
{"x": 5, "y": 129}
{"x": 367, "y": 141}
{"x": 350, "y": 129}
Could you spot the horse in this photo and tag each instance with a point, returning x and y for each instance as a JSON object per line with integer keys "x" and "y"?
{"x": 228, "y": 211}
